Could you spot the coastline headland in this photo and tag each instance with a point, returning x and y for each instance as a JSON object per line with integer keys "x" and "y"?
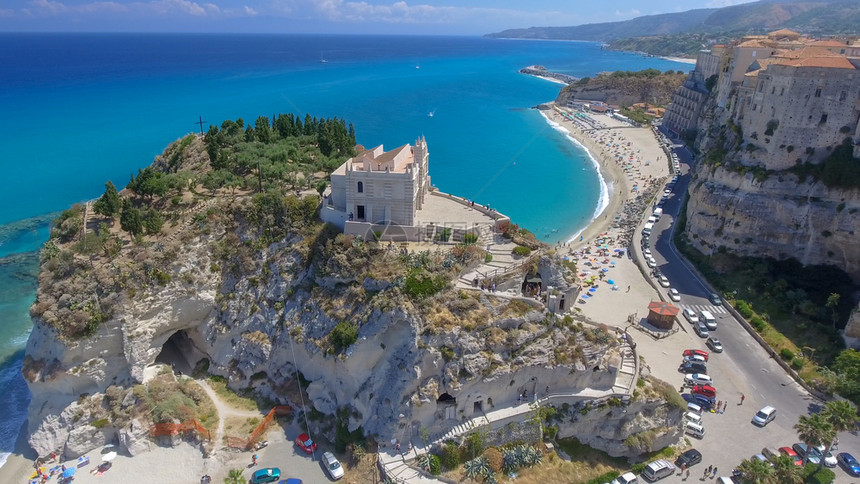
{"x": 543, "y": 73}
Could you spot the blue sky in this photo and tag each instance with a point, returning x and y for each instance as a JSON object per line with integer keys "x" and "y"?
{"x": 443, "y": 17}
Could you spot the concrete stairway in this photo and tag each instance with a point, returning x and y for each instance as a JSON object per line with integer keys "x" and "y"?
{"x": 626, "y": 372}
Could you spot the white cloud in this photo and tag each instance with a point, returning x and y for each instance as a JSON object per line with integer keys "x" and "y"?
{"x": 630, "y": 13}
{"x": 250, "y": 11}
{"x": 158, "y": 7}
{"x": 726, "y": 3}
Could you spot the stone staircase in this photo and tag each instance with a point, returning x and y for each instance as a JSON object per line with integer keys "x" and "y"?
{"x": 626, "y": 372}
{"x": 503, "y": 261}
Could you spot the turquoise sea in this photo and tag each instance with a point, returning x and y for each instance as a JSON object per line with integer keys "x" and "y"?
{"x": 80, "y": 109}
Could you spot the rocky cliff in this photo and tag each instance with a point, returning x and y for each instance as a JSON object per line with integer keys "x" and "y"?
{"x": 625, "y": 88}
{"x": 254, "y": 288}
{"x": 753, "y": 210}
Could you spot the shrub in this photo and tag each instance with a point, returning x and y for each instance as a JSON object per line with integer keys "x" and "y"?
{"x": 744, "y": 308}
{"x": 444, "y": 235}
{"x": 435, "y": 465}
{"x": 100, "y": 423}
{"x": 488, "y": 257}
{"x": 343, "y": 335}
{"x": 451, "y": 455}
{"x": 522, "y": 251}
{"x": 604, "y": 478}
{"x": 470, "y": 238}
{"x": 550, "y": 432}
{"x": 797, "y": 363}
{"x": 757, "y": 323}
{"x": 638, "y": 468}
{"x": 812, "y": 475}
{"x": 786, "y": 354}
{"x": 420, "y": 283}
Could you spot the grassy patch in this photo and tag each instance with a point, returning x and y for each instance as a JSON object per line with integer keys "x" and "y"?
{"x": 228, "y": 396}
{"x": 585, "y": 464}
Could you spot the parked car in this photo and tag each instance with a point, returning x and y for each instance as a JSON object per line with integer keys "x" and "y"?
{"x": 714, "y": 344}
{"x": 628, "y": 478}
{"x": 696, "y": 352}
{"x": 848, "y": 463}
{"x": 269, "y": 474}
{"x": 698, "y": 379}
{"x": 657, "y": 470}
{"x": 698, "y": 358}
{"x": 791, "y": 453}
{"x": 814, "y": 456}
{"x": 764, "y": 416}
{"x": 674, "y": 294}
{"x": 306, "y": 444}
{"x": 690, "y": 458}
{"x": 701, "y": 329}
{"x": 646, "y": 252}
{"x": 699, "y": 400}
{"x": 651, "y": 262}
{"x": 693, "y": 367}
{"x": 762, "y": 458}
{"x": 829, "y": 458}
{"x": 770, "y": 453}
{"x": 332, "y": 466}
{"x": 715, "y": 299}
{"x": 291, "y": 480}
{"x": 690, "y": 315}
{"x": 705, "y": 390}
{"x": 664, "y": 281}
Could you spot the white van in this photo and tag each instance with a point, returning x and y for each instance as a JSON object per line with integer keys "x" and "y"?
{"x": 652, "y": 219}
{"x": 695, "y": 430}
{"x": 709, "y": 320}
{"x": 647, "y": 228}
{"x": 658, "y": 470}
{"x": 658, "y": 212}
{"x": 693, "y": 418}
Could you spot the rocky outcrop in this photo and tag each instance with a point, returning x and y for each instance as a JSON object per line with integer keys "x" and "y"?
{"x": 624, "y": 89}
{"x": 541, "y": 71}
{"x": 777, "y": 217}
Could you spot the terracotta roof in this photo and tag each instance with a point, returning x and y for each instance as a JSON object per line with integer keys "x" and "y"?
{"x": 783, "y": 33}
{"x": 829, "y": 43}
{"x": 807, "y": 52}
{"x": 752, "y": 43}
{"x": 831, "y": 62}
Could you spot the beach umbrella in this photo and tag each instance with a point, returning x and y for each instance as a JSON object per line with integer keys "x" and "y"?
{"x": 70, "y": 471}
{"x": 592, "y": 289}
{"x": 605, "y": 269}
{"x": 610, "y": 282}
{"x": 109, "y": 456}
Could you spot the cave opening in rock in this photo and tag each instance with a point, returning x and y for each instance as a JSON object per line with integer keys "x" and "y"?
{"x": 478, "y": 406}
{"x": 179, "y": 352}
{"x": 446, "y": 398}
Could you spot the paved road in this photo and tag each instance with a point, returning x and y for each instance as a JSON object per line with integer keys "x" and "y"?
{"x": 743, "y": 368}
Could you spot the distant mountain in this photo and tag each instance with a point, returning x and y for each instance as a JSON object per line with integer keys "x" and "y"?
{"x": 818, "y": 17}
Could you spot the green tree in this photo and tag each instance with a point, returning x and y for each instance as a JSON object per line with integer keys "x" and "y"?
{"x": 152, "y": 221}
{"x": 131, "y": 219}
{"x": 109, "y": 204}
{"x": 755, "y": 471}
{"x": 814, "y": 430}
{"x": 785, "y": 471}
{"x": 832, "y": 304}
{"x": 842, "y": 416}
{"x": 235, "y": 477}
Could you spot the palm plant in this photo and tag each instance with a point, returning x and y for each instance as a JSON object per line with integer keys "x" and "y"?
{"x": 234, "y": 477}
{"x": 510, "y": 460}
{"x": 755, "y": 471}
{"x": 477, "y": 467}
{"x": 842, "y": 416}
{"x": 814, "y": 430}
{"x": 531, "y": 456}
{"x": 785, "y": 471}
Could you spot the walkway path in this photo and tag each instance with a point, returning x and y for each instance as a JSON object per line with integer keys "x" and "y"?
{"x": 224, "y": 411}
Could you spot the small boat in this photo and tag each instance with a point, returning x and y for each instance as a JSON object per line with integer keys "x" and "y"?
{"x": 430, "y": 114}
{"x": 322, "y": 59}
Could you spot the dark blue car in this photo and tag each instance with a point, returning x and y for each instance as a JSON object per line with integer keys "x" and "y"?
{"x": 700, "y": 400}
{"x": 849, "y": 463}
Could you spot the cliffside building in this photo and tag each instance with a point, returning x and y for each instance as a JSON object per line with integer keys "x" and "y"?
{"x": 388, "y": 193}
{"x": 380, "y": 186}
{"x": 682, "y": 115}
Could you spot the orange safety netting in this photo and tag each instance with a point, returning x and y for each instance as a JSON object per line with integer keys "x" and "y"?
{"x": 161, "y": 429}
{"x": 258, "y": 432}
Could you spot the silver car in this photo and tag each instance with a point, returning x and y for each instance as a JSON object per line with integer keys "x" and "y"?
{"x": 332, "y": 466}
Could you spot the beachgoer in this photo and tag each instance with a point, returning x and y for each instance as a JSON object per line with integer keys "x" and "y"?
{"x": 742, "y": 398}
{"x": 254, "y": 460}
{"x": 715, "y": 472}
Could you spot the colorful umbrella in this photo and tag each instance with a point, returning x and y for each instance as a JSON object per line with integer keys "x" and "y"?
{"x": 70, "y": 471}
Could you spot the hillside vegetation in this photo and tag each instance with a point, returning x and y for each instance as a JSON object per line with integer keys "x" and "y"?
{"x": 686, "y": 32}
{"x": 625, "y": 88}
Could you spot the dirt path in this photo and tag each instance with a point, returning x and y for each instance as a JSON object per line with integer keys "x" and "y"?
{"x": 224, "y": 411}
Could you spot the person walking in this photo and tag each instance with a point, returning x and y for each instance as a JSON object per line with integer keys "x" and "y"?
{"x": 715, "y": 472}
{"x": 254, "y": 460}
{"x": 687, "y": 475}
{"x": 742, "y": 398}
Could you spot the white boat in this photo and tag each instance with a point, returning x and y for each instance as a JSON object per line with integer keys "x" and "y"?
{"x": 430, "y": 114}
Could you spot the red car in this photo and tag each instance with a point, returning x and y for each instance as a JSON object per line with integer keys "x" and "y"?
{"x": 703, "y": 354}
{"x": 791, "y": 453}
{"x": 705, "y": 390}
{"x": 306, "y": 444}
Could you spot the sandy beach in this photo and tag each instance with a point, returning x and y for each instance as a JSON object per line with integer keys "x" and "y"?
{"x": 628, "y": 158}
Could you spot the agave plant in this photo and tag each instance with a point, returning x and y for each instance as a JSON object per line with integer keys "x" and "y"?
{"x": 423, "y": 461}
{"x": 490, "y": 479}
{"x": 511, "y": 460}
{"x": 531, "y": 456}
{"x": 477, "y": 467}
